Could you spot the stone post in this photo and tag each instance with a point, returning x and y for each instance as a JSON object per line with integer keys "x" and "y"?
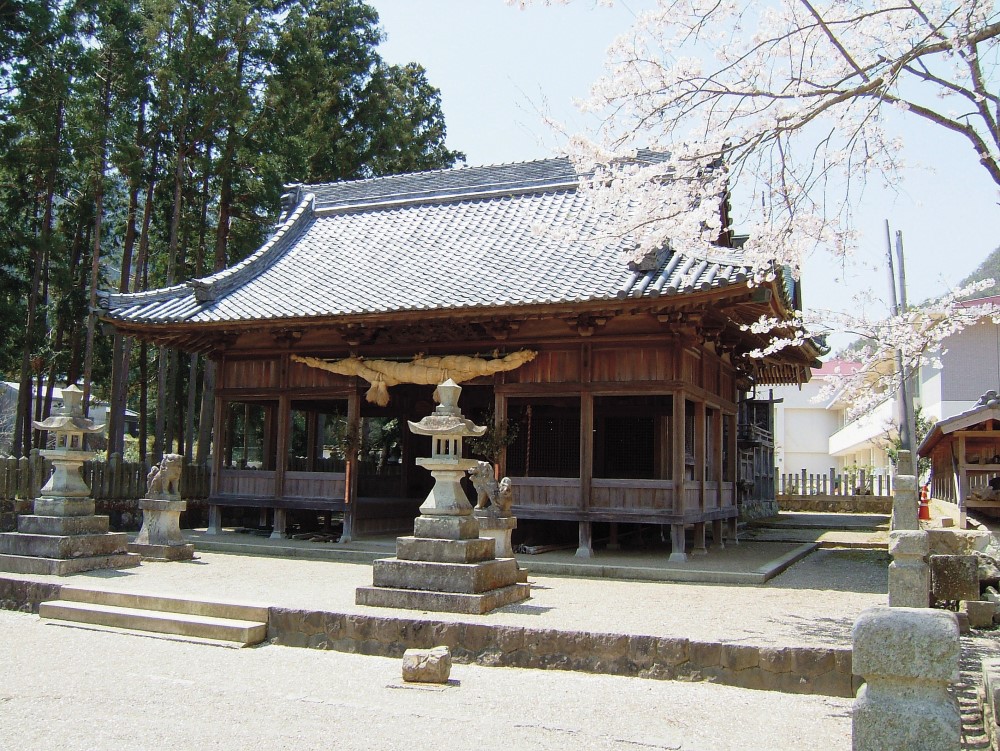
{"x": 907, "y": 656}
{"x": 909, "y": 574}
{"x": 905, "y": 496}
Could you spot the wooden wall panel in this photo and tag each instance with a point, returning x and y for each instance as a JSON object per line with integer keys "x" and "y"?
{"x": 326, "y": 485}
{"x": 546, "y": 492}
{"x": 632, "y": 495}
{"x": 247, "y": 483}
{"x": 691, "y": 371}
{"x": 711, "y": 372}
{"x": 251, "y": 374}
{"x": 550, "y": 366}
{"x": 629, "y": 364}
{"x": 304, "y": 376}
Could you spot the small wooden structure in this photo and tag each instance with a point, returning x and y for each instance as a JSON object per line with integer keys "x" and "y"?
{"x": 965, "y": 458}
{"x": 627, "y": 411}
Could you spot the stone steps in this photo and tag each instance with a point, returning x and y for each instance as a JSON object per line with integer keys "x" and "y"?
{"x": 239, "y": 624}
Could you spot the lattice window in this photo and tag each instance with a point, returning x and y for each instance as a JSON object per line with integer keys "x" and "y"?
{"x": 548, "y": 438}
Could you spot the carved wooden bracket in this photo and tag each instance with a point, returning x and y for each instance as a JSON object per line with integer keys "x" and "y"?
{"x": 501, "y": 329}
{"x": 586, "y": 325}
{"x": 286, "y": 336}
{"x": 356, "y": 334}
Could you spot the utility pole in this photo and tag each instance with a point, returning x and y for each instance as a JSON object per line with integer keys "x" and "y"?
{"x": 904, "y": 407}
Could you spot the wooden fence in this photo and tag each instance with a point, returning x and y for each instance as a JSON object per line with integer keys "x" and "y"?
{"x": 833, "y": 484}
{"x": 108, "y": 480}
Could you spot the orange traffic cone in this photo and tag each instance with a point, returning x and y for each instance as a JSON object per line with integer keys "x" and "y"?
{"x": 925, "y": 503}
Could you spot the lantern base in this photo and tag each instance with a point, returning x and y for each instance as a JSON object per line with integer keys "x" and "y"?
{"x": 62, "y": 541}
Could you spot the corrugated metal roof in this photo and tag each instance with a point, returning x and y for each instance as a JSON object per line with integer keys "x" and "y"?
{"x": 449, "y": 239}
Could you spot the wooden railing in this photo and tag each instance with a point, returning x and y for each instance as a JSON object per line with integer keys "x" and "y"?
{"x": 834, "y": 484}
{"x": 108, "y": 480}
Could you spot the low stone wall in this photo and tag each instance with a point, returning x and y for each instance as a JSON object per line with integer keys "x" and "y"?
{"x": 18, "y": 594}
{"x": 794, "y": 670}
{"x": 751, "y": 510}
{"x": 797, "y": 670}
{"x": 831, "y": 504}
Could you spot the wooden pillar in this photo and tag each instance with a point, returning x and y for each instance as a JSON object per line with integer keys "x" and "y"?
{"x": 500, "y": 415}
{"x": 586, "y": 549}
{"x": 262, "y": 517}
{"x": 733, "y": 455}
{"x": 351, "y": 465}
{"x": 700, "y": 441}
{"x": 698, "y": 548}
{"x": 717, "y": 419}
{"x": 677, "y": 444}
{"x": 312, "y": 445}
{"x": 613, "y": 543}
{"x": 223, "y": 444}
{"x": 281, "y": 443}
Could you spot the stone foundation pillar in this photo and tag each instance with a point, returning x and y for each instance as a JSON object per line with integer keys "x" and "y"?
{"x": 909, "y": 574}
{"x": 279, "y": 524}
{"x": 214, "y": 520}
{"x": 905, "y": 498}
{"x": 586, "y": 547}
{"x": 717, "y": 542}
{"x": 677, "y": 554}
{"x": 908, "y": 656}
{"x": 698, "y": 547}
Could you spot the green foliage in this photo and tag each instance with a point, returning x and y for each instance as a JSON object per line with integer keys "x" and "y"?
{"x": 988, "y": 269}
{"x": 498, "y": 436}
{"x": 185, "y": 117}
{"x": 893, "y": 443}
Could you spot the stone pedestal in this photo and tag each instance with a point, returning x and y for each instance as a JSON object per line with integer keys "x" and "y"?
{"x": 908, "y": 656}
{"x": 499, "y": 529}
{"x": 160, "y": 538}
{"x": 454, "y": 570}
{"x": 445, "y": 565}
{"x": 905, "y": 503}
{"x": 63, "y": 536}
{"x": 909, "y": 574}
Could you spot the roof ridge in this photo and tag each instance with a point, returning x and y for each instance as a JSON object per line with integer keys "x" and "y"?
{"x": 440, "y": 170}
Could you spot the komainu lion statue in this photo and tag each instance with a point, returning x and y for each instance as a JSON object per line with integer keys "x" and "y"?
{"x": 499, "y": 496}
{"x": 164, "y": 479}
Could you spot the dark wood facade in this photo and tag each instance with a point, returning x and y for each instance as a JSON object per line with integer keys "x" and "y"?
{"x": 635, "y": 419}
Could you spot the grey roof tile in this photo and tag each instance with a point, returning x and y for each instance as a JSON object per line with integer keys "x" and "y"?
{"x": 449, "y": 239}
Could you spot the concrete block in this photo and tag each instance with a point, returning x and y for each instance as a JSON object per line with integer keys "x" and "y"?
{"x": 444, "y": 551}
{"x": 954, "y": 577}
{"x": 906, "y": 643}
{"x": 979, "y": 612}
{"x": 446, "y": 527}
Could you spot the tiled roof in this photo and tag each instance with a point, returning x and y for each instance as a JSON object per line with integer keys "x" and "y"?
{"x": 474, "y": 237}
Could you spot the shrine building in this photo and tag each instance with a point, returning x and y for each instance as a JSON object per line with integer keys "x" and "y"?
{"x": 620, "y": 384}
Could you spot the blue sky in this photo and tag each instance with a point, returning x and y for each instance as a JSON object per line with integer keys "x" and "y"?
{"x": 498, "y": 68}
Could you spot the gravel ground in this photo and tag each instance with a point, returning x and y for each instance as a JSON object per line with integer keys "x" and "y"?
{"x": 813, "y": 603}
{"x": 63, "y": 689}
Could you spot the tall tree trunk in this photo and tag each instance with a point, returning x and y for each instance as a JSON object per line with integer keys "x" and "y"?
{"x": 95, "y": 259}
{"x": 22, "y": 424}
{"x": 122, "y": 345}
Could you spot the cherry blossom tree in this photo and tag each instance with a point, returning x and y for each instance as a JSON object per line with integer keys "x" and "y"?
{"x": 796, "y": 104}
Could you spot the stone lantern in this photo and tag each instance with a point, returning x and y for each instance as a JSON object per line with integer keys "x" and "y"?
{"x": 69, "y": 427}
{"x": 64, "y": 535}
{"x": 447, "y": 427}
{"x": 445, "y": 565}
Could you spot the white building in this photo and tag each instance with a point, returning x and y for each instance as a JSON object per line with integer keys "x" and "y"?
{"x": 817, "y": 436}
{"x": 8, "y": 409}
